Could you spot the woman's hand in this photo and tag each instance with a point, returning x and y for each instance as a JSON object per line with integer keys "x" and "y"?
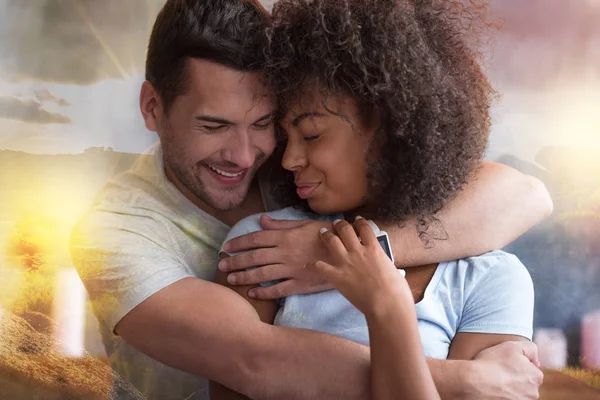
{"x": 362, "y": 272}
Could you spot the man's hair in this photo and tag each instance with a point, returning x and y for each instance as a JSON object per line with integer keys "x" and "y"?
{"x": 229, "y": 32}
{"x": 412, "y": 64}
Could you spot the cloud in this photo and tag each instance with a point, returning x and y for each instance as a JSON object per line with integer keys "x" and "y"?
{"x": 544, "y": 39}
{"x": 74, "y": 41}
{"x": 44, "y": 95}
{"x": 29, "y": 110}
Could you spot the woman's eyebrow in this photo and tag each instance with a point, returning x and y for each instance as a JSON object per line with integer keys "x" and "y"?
{"x": 296, "y": 121}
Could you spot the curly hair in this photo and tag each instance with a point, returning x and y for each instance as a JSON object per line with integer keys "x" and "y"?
{"x": 417, "y": 65}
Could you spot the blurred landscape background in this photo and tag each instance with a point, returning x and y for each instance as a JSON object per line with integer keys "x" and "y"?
{"x": 70, "y": 73}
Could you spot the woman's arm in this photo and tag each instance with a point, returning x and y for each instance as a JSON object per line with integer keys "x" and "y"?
{"x": 465, "y": 346}
{"x": 364, "y": 274}
{"x": 498, "y": 205}
{"x": 398, "y": 364}
{"x": 266, "y": 309}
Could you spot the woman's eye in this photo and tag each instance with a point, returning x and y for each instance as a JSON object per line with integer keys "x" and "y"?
{"x": 311, "y": 138}
{"x": 218, "y": 128}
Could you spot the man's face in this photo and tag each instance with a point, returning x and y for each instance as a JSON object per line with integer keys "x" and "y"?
{"x": 217, "y": 135}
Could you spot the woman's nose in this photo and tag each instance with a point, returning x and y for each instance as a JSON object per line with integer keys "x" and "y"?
{"x": 294, "y": 157}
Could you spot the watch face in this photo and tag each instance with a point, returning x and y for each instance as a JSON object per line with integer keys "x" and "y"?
{"x": 385, "y": 245}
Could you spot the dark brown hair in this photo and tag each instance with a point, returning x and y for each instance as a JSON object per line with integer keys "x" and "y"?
{"x": 414, "y": 64}
{"x": 229, "y": 32}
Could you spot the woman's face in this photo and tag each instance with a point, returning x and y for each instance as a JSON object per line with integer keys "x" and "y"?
{"x": 327, "y": 145}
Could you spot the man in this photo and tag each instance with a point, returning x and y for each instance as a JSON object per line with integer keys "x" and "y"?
{"x": 147, "y": 251}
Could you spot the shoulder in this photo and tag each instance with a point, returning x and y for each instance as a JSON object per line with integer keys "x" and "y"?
{"x": 498, "y": 295}
{"x": 252, "y": 222}
{"x": 497, "y": 265}
{"x": 110, "y": 229}
{"x": 144, "y": 186}
{"x": 492, "y": 275}
{"x": 492, "y": 280}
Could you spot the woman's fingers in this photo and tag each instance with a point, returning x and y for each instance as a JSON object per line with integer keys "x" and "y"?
{"x": 367, "y": 236}
{"x": 346, "y": 233}
{"x": 334, "y": 245}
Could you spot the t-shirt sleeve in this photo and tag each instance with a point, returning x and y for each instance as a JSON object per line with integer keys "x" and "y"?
{"x": 499, "y": 296}
{"x": 122, "y": 259}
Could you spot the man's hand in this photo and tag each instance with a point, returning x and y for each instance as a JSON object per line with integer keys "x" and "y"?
{"x": 508, "y": 371}
{"x": 280, "y": 251}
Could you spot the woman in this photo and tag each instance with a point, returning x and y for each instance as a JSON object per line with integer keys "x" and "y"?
{"x": 385, "y": 114}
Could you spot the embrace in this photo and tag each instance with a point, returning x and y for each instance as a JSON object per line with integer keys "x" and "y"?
{"x": 238, "y": 258}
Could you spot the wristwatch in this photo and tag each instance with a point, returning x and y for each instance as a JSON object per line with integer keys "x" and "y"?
{"x": 384, "y": 241}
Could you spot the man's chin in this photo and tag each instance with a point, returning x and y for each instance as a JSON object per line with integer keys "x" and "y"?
{"x": 225, "y": 197}
{"x": 226, "y": 201}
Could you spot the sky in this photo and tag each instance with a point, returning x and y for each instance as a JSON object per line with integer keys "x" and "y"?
{"x": 70, "y": 73}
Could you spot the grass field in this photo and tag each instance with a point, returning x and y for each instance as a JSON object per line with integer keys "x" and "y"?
{"x": 589, "y": 376}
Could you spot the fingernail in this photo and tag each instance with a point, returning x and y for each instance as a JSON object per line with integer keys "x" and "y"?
{"x": 226, "y": 246}
{"x": 336, "y": 221}
{"x": 358, "y": 217}
{"x": 252, "y": 293}
{"x": 266, "y": 216}
{"x": 323, "y": 230}
{"x": 223, "y": 265}
{"x": 232, "y": 279}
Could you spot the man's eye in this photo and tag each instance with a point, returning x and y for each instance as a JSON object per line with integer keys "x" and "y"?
{"x": 266, "y": 125}
{"x": 218, "y": 128}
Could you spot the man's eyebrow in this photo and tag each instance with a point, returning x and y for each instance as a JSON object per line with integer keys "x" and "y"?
{"x": 217, "y": 120}
{"x": 264, "y": 118}
{"x": 305, "y": 115}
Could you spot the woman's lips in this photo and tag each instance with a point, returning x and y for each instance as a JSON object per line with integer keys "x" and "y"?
{"x": 305, "y": 190}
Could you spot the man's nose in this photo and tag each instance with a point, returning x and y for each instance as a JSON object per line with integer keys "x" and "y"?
{"x": 239, "y": 150}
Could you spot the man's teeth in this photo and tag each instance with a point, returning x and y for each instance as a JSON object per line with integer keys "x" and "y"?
{"x": 227, "y": 174}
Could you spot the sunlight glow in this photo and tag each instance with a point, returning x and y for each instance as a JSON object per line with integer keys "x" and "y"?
{"x": 68, "y": 313}
{"x": 578, "y": 120}
{"x": 96, "y": 33}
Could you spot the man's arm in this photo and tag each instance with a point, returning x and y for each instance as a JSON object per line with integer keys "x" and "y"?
{"x": 493, "y": 209}
{"x": 496, "y": 207}
{"x": 210, "y": 331}
{"x": 266, "y": 310}
{"x": 506, "y": 371}
{"x": 466, "y": 346}
{"x": 141, "y": 289}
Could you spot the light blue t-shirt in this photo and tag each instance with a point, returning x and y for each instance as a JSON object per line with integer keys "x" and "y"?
{"x": 491, "y": 293}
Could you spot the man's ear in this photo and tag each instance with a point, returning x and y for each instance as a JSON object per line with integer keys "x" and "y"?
{"x": 151, "y": 107}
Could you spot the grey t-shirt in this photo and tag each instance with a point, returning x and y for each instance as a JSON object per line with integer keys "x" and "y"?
{"x": 140, "y": 236}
